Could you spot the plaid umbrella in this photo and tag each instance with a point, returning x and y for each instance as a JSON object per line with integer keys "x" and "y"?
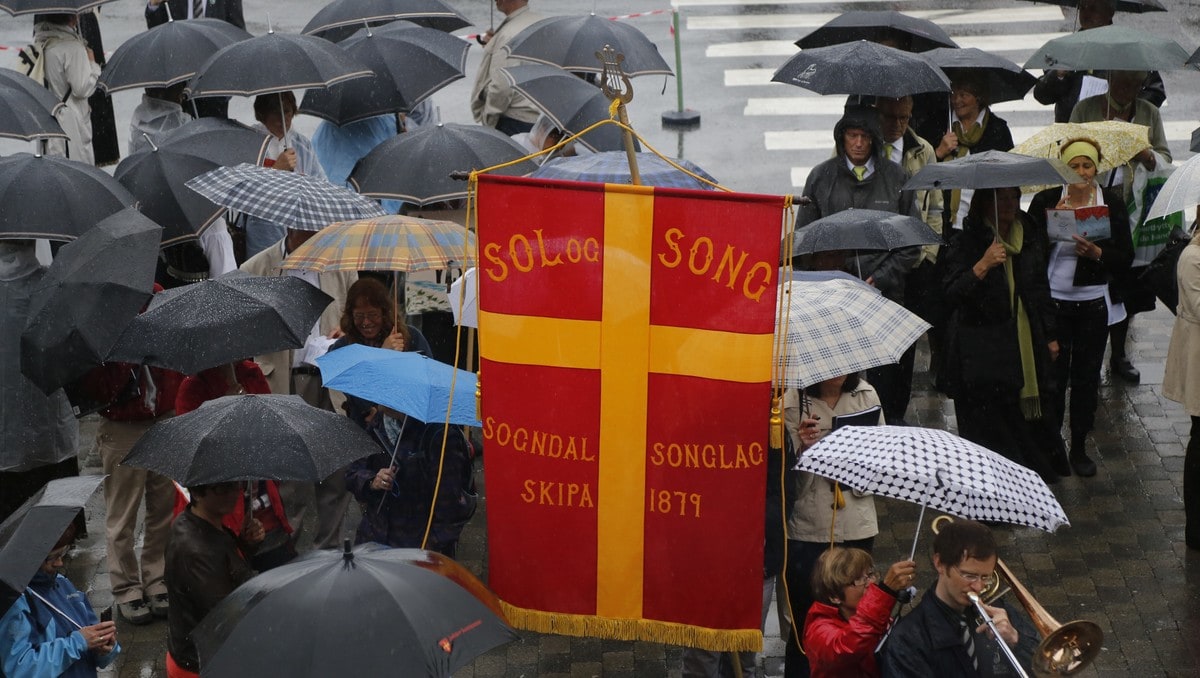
{"x": 612, "y": 167}
{"x": 391, "y": 243}
{"x": 297, "y": 201}
{"x": 839, "y": 327}
{"x": 936, "y": 469}
{"x": 1118, "y": 141}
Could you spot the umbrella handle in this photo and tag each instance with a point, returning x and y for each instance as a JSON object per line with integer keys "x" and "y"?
{"x": 392, "y": 463}
{"x": 936, "y": 481}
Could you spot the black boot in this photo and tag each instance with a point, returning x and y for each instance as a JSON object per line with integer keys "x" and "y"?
{"x": 1118, "y": 362}
{"x": 1059, "y": 461}
{"x": 1080, "y": 462}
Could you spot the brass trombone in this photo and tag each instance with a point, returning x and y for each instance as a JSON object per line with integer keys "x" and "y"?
{"x": 1065, "y": 648}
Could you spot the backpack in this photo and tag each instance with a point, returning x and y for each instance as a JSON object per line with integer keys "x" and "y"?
{"x": 34, "y": 63}
{"x": 418, "y": 474}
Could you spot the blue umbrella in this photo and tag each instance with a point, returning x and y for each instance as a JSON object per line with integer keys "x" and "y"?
{"x": 612, "y": 167}
{"x": 404, "y": 381}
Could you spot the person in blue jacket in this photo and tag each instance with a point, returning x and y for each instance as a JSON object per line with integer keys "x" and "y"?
{"x": 51, "y": 630}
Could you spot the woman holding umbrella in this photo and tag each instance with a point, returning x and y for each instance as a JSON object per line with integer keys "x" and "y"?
{"x": 822, "y": 514}
{"x": 974, "y": 128}
{"x": 51, "y": 629}
{"x": 392, "y": 485}
{"x": 1002, "y": 336}
{"x": 852, "y": 611}
{"x": 370, "y": 318}
{"x": 1079, "y": 272}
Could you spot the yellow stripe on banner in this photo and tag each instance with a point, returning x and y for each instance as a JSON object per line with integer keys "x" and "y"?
{"x": 624, "y": 359}
{"x": 532, "y": 340}
{"x": 710, "y": 354}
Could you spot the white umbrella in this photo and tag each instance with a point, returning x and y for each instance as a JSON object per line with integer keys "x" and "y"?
{"x": 464, "y": 304}
{"x": 837, "y": 327}
{"x": 1180, "y": 193}
{"x": 937, "y": 469}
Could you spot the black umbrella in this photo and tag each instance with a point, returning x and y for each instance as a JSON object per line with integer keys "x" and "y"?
{"x": 857, "y": 229}
{"x": 862, "y": 68}
{"x": 156, "y": 177}
{"x": 1135, "y": 6}
{"x": 339, "y": 19}
{"x": 167, "y": 54}
{"x": 94, "y": 287}
{"x": 1195, "y": 145}
{"x": 573, "y": 104}
{"x": 218, "y": 321}
{"x": 367, "y": 611}
{"x": 409, "y": 63}
{"x": 26, "y": 108}
{"x": 27, "y": 536}
{"x": 275, "y": 62}
{"x": 19, "y": 7}
{"x": 876, "y": 26}
{"x": 54, "y": 198}
{"x": 415, "y": 167}
{"x": 1006, "y": 81}
{"x": 572, "y": 42}
{"x": 250, "y": 437}
{"x": 993, "y": 169}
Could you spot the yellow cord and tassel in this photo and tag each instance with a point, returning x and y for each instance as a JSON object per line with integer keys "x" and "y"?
{"x": 777, "y": 423}
{"x": 479, "y": 395}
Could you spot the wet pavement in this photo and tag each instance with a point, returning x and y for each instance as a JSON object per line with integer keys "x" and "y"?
{"x": 1121, "y": 564}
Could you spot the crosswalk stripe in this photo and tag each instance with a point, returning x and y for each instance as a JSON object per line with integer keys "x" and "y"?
{"x": 731, "y": 3}
{"x": 818, "y": 140}
{"x": 1020, "y": 42}
{"x": 833, "y": 105}
{"x": 943, "y": 17}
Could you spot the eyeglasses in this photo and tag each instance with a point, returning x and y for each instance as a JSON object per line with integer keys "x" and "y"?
{"x": 867, "y": 578}
{"x": 972, "y": 578}
{"x": 373, "y": 316}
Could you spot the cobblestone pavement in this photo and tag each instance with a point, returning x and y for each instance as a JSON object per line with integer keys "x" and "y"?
{"x": 1121, "y": 564}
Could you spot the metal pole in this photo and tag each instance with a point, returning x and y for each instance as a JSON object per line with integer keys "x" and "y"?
{"x": 679, "y": 117}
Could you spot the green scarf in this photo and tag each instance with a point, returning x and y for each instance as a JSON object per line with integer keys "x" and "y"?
{"x": 1031, "y": 402}
{"x": 967, "y": 139}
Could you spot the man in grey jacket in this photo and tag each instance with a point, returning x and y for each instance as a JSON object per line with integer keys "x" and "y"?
{"x": 860, "y": 176}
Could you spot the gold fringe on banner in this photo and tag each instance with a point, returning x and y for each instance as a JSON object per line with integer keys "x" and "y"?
{"x": 649, "y": 630}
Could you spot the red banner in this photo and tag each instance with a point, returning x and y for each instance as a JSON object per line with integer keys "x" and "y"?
{"x": 625, "y": 339}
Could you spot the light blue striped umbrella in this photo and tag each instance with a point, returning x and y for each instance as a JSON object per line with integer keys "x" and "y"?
{"x": 612, "y": 167}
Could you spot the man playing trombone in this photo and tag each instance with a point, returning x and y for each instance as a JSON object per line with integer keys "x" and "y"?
{"x": 944, "y": 634}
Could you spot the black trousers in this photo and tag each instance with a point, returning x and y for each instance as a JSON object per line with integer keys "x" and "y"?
{"x": 802, "y": 560}
{"x": 1082, "y": 335}
{"x": 1191, "y": 487}
{"x": 996, "y": 422}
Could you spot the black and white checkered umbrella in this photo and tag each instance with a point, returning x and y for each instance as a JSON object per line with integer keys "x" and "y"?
{"x": 295, "y": 200}
{"x": 935, "y": 469}
{"x": 837, "y": 327}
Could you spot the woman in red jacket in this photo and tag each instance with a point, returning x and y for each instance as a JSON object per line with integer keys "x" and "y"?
{"x": 234, "y": 379}
{"x": 851, "y": 612}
